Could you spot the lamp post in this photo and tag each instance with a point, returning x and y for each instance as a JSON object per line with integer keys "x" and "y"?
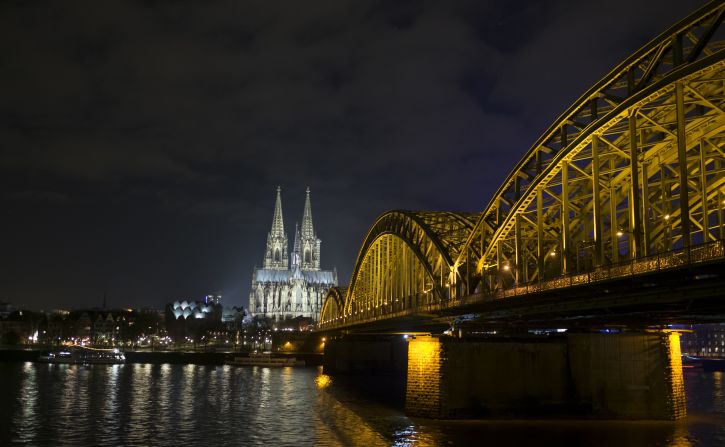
{"x": 621, "y": 233}
{"x": 551, "y": 256}
{"x": 667, "y": 231}
{"x": 508, "y": 267}
{"x": 582, "y": 251}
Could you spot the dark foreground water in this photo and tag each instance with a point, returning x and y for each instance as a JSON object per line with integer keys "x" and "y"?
{"x": 172, "y": 405}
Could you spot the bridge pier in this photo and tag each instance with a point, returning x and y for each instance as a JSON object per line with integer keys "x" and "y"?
{"x": 366, "y": 354}
{"x": 622, "y": 375}
{"x": 374, "y": 365}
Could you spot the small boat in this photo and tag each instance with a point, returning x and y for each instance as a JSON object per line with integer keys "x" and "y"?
{"x": 265, "y": 359}
{"x": 83, "y": 355}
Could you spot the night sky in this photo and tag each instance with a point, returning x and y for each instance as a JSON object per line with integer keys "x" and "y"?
{"x": 141, "y": 143}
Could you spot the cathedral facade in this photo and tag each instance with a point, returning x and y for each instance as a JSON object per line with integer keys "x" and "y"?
{"x": 292, "y": 284}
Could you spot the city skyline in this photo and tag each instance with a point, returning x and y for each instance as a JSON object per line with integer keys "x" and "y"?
{"x": 143, "y": 143}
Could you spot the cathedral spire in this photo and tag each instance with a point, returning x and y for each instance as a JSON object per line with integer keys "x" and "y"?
{"x": 308, "y": 232}
{"x": 276, "y": 256}
{"x": 277, "y": 220}
{"x": 309, "y": 244}
{"x": 296, "y": 248}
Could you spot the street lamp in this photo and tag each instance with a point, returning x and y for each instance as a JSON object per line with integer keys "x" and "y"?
{"x": 507, "y": 267}
{"x": 551, "y": 257}
{"x": 582, "y": 251}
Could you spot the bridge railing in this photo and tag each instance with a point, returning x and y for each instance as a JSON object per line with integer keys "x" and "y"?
{"x": 695, "y": 254}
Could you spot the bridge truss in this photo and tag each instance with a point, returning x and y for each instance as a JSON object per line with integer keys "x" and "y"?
{"x": 405, "y": 262}
{"x": 633, "y": 170}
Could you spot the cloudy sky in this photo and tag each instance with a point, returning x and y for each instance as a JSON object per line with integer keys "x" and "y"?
{"x": 141, "y": 142}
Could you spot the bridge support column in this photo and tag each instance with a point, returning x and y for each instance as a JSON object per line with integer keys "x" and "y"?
{"x": 365, "y": 355}
{"x": 425, "y": 384}
{"x": 626, "y": 375}
{"x": 373, "y": 364}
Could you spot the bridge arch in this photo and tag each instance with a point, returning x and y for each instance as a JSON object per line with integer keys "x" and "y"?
{"x": 333, "y": 305}
{"x": 634, "y": 168}
{"x": 406, "y": 259}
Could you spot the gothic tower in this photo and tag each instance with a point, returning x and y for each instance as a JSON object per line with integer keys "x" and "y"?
{"x": 296, "y": 249}
{"x": 276, "y": 256}
{"x": 309, "y": 243}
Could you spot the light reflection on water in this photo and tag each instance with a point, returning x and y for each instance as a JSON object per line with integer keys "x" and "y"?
{"x": 169, "y": 405}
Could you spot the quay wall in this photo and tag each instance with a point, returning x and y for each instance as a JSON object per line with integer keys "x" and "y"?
{"x": 160, "y": 357}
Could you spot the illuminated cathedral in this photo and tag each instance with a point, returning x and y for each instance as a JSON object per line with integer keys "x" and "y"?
{"x": 292, "y": 284}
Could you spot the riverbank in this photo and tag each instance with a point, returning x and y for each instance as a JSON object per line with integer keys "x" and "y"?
{"x": 159, "y": 357}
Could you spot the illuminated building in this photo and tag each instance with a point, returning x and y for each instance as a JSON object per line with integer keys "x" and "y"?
{"x": 291, "y": 285}
{"x": 706, "y": 340}
{"x": 191, "y": 309}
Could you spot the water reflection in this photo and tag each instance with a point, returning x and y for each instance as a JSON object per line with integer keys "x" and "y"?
{"x": 138, "y": 411}
{"x": 323, "y": 381}
{"x": 28, "y": 400}
{"x": 717, "y": 389}
{"x": 339, "y": 424}
{"x": 171, "y": 405}
{"x": 109, "y": 406}
{"x": 162, "y": 400}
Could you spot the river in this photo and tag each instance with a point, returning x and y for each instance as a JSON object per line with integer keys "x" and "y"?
{"x": 171, "y": 405}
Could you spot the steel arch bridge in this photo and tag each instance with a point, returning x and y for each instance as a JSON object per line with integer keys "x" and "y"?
{"x": 628, "y": 180}
{"x": 405, "y": 261}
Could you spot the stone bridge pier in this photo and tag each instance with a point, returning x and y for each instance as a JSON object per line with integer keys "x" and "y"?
{"x": 627, "y": 375}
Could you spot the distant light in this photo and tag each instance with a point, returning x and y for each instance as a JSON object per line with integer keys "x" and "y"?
{"x": 667, "y": 217}
{"x": 552, "y": 254}
{"x": 405, "y": 336}
{"x": 506, "y": 267}
{"x": 620, "y": 233}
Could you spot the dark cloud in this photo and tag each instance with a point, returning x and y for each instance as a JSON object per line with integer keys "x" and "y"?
{"x": 39, "y": 196}
{"x": 142, "y": 141}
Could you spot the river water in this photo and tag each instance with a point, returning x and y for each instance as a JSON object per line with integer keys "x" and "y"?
{"x": 172, "y": 405}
